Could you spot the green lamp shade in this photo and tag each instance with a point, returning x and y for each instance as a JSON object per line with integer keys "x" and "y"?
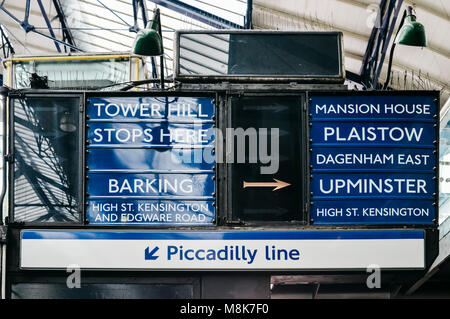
{"x": 412, "y": 33}
{"x": 148, "y": 42}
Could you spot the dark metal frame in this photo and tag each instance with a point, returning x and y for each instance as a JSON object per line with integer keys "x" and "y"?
{"x": 83, "y": 96}
{"x": 16, "y": 275}
{"x": 249, "y": 78}
{"x": 249, "y": 15}
{"x": 11, "y": 153}
{"x": 111, "y": 277}
{"x": 5, "y": 158}
{"x": 223, "y": 117}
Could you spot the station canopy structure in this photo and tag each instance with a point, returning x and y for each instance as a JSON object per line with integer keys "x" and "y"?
{"x": 111, "y": 25}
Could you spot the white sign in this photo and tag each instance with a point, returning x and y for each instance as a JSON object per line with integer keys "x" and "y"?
{"x": 293, "y": 250}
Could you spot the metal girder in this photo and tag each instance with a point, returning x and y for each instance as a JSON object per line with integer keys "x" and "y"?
{"x": 30, "y": 28}
{"x": 25, "y": 25}
{"x": 7, "y": 47}
{"x": 67, "y": 34}
{"x": 49, "y": 25}
{"x": 366, "y": 61}
{"x": 353, "y": 76}
{"x": 139, "y": 4}
{"x": 389, "y": 30}
{"x": 378, "y": 43}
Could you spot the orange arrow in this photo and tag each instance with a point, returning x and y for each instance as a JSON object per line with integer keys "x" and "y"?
{"x": 278, "y": 184}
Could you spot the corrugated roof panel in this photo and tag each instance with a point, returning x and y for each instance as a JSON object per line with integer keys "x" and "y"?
{"x": 234, "y": 10}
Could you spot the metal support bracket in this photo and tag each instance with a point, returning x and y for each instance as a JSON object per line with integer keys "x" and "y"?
{"x": 24, "y": 24}
{"x": 138, "y": 4}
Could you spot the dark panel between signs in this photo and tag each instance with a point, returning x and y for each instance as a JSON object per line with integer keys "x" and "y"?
{"x": 151, "y": 161}
{"x": 256, "y": 196}
{"x": 373, "y": 159}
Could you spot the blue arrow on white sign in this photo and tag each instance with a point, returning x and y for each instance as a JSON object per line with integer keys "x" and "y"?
{"x": 150, "y": 255}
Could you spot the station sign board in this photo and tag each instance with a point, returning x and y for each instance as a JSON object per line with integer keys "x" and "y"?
{"x": 373, "y": 158}
{"x": 237, "y": 250}
{"x": 150, "y": 160}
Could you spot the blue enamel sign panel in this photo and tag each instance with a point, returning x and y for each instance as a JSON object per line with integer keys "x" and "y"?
{"x": 150, "y": 161}
{"x": 373, "y": 158}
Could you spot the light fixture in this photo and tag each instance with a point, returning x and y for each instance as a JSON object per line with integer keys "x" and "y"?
{"x": 67, "y": 124}
{"x": 148, "y": 42}
{"x": 410, "y": 33}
